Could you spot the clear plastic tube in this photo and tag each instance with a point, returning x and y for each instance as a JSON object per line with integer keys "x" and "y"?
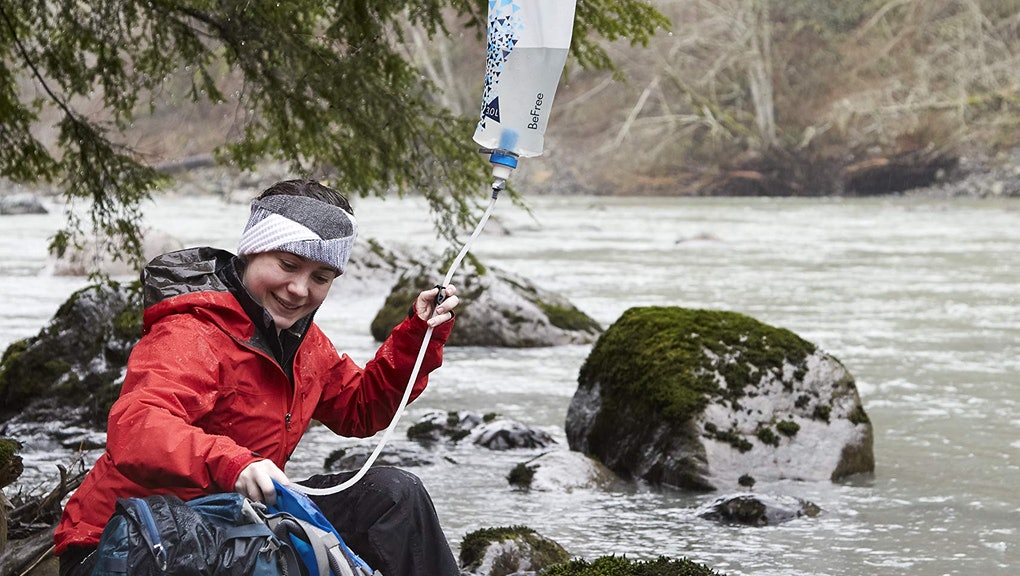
{"x": 528, "y": 42}
{"x": 414, "y": 372}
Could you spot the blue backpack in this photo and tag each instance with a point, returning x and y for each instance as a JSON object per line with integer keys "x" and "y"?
{"x": 217, "y": 535}
{"x": 339, "y": 560}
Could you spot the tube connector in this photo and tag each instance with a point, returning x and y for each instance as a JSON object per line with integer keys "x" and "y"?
{"x": 503, "y": 163}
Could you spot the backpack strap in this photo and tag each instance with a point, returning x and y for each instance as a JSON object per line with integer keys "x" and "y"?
{"x": 330, "y": 545}
{"x": 149, "y": 531}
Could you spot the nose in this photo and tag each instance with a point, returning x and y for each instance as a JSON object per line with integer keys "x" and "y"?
{"x": 298, "y": 286}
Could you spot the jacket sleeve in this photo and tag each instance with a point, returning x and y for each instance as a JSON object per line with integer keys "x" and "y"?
{"x": 171, "y": 383}
{"x": 358, "y": 402}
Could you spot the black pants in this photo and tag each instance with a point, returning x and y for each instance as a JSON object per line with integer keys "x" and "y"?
{"x": 387, "y": 519}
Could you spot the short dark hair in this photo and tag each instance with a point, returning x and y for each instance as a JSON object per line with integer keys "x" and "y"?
{"x": 310, "y": 189}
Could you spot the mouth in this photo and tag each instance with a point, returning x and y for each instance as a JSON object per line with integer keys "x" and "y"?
{"x": 286, "y": 305}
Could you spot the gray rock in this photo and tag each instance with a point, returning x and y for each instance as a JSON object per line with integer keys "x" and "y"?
{"x": 95, "y": 258}
{"x": 355, "y": 457}
{"x": 504, "y": 434}
{"x": 757, "y": 509}
{"x": 21, "y": 203}
{"x": 498, "y": 309}
{"x": 70, "y": 373}
{"x": 699, "y": 399}
{"x": 562, "y": 471}
{"x": 489, "y": 431}
{"x": 439, "y": 425}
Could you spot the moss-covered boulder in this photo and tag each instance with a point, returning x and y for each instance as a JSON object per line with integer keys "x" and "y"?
{"x": 703, "y": 400}
{"x": 623, "y": 566}
{"x": 497, "y": 309}
{"x": 508, "y": 550}
{"x": 11, "y": 466}
{"x": 72, "y": 370}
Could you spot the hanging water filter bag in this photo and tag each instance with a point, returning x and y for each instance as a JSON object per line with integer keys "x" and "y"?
{"x": 528, "y": 42}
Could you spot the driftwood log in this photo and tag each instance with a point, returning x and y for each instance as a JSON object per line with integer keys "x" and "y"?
{"x": 26, "y": 539}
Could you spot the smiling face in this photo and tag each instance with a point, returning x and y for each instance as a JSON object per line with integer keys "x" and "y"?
{"x": 290, "y": 287}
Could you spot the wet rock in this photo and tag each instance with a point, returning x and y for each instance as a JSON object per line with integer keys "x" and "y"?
{"x": 503, "y": 434}
{"x": 699, "y": 399}
{"x": 375, "y": 266}
{"x": 96, "y": 258}
{"x": 11, "y": 466}
{"x": 498, "y": 309}
{"x": 354, "y": 458}
{"x": 757, "y": 509}
{"x": 508, "y": 550}
{"x": 489, "y": 431}
{"x": 70, "y": 373}
{"x": 438, "y": 425}
{"x": 21, "y": 203}
{"x": 562, "y": 471}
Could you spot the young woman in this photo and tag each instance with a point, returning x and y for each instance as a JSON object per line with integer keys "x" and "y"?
{"x": 231, "y": 370}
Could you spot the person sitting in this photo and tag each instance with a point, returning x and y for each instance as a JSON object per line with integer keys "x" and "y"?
{"x": 231, "y": 369}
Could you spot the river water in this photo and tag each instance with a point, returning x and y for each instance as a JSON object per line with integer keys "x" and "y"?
{"x": 919, "y": 298}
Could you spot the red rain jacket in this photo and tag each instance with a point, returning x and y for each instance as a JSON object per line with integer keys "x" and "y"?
{"x": 201, "y": 399}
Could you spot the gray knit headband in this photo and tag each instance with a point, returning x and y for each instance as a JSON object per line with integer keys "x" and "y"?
{"x": 300, "y": 225}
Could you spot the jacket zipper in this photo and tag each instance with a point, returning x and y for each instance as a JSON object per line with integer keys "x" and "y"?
{"x": 293, "y": 394}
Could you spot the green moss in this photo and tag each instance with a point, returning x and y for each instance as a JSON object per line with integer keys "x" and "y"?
{"x": 452, "y": 418}
{"x": 422, "y": 430}
{"x": 8, "y": 448}
{"x": 475, "y": 543}
{"x": 731, "y": 437}
{"x": 334, "y": 457}
{"x": 665, "y": 360}
{"x": 521, "y": 475}
{"x": 788, "y": 428}
{"x": 394, "y": 310}
{"x": 858, "y": 416}
{"x": 822, "y": 412}
{"x": 128, "y": 324}
{"x": 767, "y": 436}
{"x": 27, "y": 373}
{"x": 568, "y": 318}
{"x": 11, "y": 358}
{"x": 622, "y": 566}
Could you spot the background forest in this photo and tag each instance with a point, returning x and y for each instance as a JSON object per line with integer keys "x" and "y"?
{"x": 800, "y": 97}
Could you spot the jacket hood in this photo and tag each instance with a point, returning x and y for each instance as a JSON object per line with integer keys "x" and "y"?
{"x": 185, "y": 280}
